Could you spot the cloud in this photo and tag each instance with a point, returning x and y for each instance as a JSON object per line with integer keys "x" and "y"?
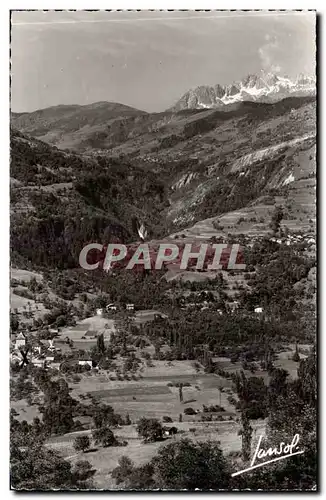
{"x": 269, "y": 54}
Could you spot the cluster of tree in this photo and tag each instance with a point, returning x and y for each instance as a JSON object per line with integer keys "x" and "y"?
{"x": 182, "y": 465}
{"x": 35, "y": 467}
{"x": 278, "y": 269}
{"x": 95, "y": 208}
{"x": 252, "y": 394}
{"x": 102, "y": 436}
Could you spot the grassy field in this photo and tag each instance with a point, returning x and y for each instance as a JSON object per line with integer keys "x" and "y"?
{"x": 22, "y": 304}
{"x": 152, "y": 397}
{"x": 24, "y": 275}
{"x": 24, "y": 410}
{"x": 91, "y": 326}
{"x": 104, "y": 460}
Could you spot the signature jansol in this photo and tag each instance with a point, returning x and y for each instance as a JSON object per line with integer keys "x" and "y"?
{"x": 283, "y": 450}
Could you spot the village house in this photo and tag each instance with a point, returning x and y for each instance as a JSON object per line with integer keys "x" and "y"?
{"x": 40, "y": 363}
{"x": 111, "y": 307}
{"x": 20, "y": 341}
{"x": 258, "y": 310}
{"x": 14, "y": 357}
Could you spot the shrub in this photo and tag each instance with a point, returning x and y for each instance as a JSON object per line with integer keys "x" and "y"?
{"x": 82, "y": 443}
{"x": 189, "y": 411}
{"x": 206, "y": 418}
{"x": 104, "y": 436}
{"x": 150, "y": 429}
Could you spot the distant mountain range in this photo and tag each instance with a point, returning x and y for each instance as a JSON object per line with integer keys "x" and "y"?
{"x": 263, "y": 87}
{"x": 175, "y": 171}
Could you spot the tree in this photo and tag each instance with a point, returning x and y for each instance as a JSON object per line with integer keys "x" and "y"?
{"x": 276, "y": 220}
{"x": 189, "y": 411}
{"x": 34, "y": 467}
{"x": 292, "y": 410}
{"x": 82, "y": 443}
{"x": 246, "y": 433}
{"x": 296, "y": 355}
{"x": 14, "y": 322}
{"x": 188, "y": 465}
{"x": 180, "y": 392}
{"x": 37, "y": 468}
{"x": 83, "y": 471}
{"x": 100, "y": 344}
{"x": 58, "y": 406}
{"x": 150, "y": 429}
{"x": 141, "y": 478}
{"x": 103, "y": 416}
{"x": 104, "y": 436}
{"x": 124, "y": 469}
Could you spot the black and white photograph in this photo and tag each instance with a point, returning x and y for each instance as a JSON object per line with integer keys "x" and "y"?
{"x": 163, "y": 251}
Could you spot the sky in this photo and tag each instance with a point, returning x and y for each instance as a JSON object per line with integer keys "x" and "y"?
{"x": 149, "y": 59}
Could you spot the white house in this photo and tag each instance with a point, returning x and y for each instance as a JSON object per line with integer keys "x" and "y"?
{"x": 38, "y": 362}
{"x": 258, "y": 310}
{"x": 111, "y": 307}
{"x": 99, "y": 312}
{"x": 130, "y": 307}
{"x": 15, "y": 357}
{"x": 20, "y": 341}
{"x": 54, "y": 330}
{"x": 51, "y": 346}
{"x": 84, "y": 362}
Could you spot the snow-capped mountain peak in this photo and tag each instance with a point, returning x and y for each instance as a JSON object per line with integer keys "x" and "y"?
{"x": 263, "y": 87}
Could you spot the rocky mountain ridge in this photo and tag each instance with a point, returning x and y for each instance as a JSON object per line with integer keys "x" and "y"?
{"x": 264, "y": 87}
